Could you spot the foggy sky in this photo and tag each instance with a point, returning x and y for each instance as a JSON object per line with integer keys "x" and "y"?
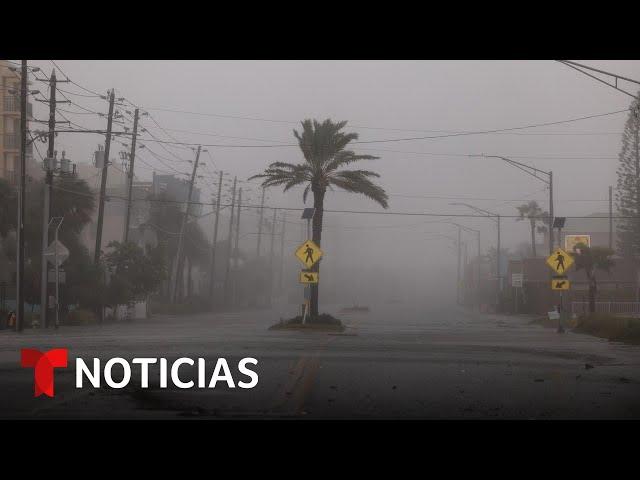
{"x": 423, "y": 97}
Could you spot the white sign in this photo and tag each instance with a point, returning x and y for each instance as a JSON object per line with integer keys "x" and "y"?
{"x": 570, "y": 241}
{"x": 517, "y": 279}
{"x": 62, "y": 252}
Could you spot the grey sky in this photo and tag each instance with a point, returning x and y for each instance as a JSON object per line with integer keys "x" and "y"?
{"x": 413, "y": 95}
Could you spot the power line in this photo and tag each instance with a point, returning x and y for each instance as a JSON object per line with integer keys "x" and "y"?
{"x": 359, "y": 212}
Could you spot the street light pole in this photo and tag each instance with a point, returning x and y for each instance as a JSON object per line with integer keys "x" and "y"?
{"x": 534, "y": 172}
{"x": 496, "y": 218}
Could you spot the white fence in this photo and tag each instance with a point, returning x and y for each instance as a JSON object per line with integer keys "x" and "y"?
{"x": 135, "y": 311}
{"x": 615, "y": 308}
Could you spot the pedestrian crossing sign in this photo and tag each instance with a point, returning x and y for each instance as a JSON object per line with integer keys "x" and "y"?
{"x": 309, "y": 253}
{"x": 559, "y": 261}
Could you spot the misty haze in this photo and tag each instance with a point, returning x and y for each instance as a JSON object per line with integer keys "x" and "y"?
{"x": 387, "y": 239}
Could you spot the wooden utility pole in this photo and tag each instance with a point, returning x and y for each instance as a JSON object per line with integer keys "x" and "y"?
{"x": 260, "y": 222}
{"x": 132, "y": 159}
{"x": 48, "y": 180}
{"x": 214, "y": 241}
{"x": 178, "y": 265}
{"x": 103, "y": 180}
{"x": 281, "y": 271}
{"x": 235, "y": 293}
{"x": 226, "y": 276}
{"x": 273, "y": 236}
{"x": 21, "y": 199}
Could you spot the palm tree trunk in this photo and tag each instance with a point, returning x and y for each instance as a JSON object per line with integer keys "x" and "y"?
{"x": 318, "y": 204}
{"x": 533, "y": 239}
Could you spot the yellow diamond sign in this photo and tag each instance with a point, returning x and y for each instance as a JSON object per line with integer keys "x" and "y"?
{"x": 559, "y": 261}
{"x": 308, "y": 253}
{"x": 308, "y": 277}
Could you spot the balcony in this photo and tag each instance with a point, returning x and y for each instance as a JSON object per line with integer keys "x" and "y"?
{"x": 11, "y": 104}
{"x": 11, "y": 141}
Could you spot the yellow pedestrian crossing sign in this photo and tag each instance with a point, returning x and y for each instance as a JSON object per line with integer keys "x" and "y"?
{"x": 559, "y": 261}
{"x": 308, "y": 277}
{"x": 308, "y": 253}
{"x": 560, "y": 283}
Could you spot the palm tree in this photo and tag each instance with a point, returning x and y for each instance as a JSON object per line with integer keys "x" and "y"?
{"x": 533, "y": 213}
{"x": 324, "y": 148}
{"x": 590, "y": 259}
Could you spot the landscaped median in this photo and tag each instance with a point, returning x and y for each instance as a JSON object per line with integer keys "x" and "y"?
{"x": 612, "y": 327}
{"x": 323, "y": 323}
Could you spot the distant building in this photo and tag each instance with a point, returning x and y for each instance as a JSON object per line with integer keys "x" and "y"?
{"x": 10, "y": 127}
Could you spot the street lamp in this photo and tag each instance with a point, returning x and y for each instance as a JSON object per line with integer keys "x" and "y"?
{"x": 495, "y": 217}
{"x": 534, "y": 172}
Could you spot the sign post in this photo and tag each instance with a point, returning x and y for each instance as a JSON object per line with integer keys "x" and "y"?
{"x": 57, "y": 253}
{"x": 560, "y": 261}
{"x": 308, "y": 253}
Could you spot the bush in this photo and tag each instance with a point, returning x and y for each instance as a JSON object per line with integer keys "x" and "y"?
{"x": 81, "y": 317}
{"x": 323, "y": 321}
{"x": 623, "y": 329}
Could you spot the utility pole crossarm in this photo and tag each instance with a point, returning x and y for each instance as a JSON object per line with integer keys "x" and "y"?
{"x": 579, "y": 67}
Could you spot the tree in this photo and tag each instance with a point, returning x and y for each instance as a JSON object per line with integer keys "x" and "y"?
{"x": 533, "y": 213}
{"x": 324, "y": 150}
{"x": 135, "y": 274}
{"x": 8, "y": 208}
{"x": 590, "y": 259}
{"x": 165, "y": 217}
{"x": 628, "y": 186}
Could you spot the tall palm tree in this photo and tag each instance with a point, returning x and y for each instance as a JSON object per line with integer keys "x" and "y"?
{"x": 324, "y": 148}
{"x": 533, "y": 213}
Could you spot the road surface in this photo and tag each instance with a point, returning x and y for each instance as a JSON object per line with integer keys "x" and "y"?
{"x": 393, "y": 362}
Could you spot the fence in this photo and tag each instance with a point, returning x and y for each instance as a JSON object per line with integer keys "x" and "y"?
{"x": 614, "y": 308}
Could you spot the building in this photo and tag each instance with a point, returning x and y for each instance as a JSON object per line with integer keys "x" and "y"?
{"x": 10, "y": 126}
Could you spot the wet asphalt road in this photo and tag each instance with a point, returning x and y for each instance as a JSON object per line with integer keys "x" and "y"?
{"x": 393, "y": 362}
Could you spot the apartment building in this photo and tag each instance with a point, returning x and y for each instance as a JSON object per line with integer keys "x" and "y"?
{"x": 10, "y": 126}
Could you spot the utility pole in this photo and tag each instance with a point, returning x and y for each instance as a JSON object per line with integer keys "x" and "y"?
{"x": 551, "y": 213}
{"x": 132, "y": 158}
{"x": 214, "y": 241}
{"x": 103, "y": 180}
{"x": 48, "y": 181}
{"x": 273, "y": 234}
{"x": 284, "y": 222}
{"x": 178, "y": 261}
{"x": 458, "y": 277}
{"x": 611, "y": 217}
{"x": 499, "y": 291}
{"x": 226, "y": 276}
{"x": 21, "y": 198}
{"x": 236, "y": 251}
{"x": 260, "y": 222}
